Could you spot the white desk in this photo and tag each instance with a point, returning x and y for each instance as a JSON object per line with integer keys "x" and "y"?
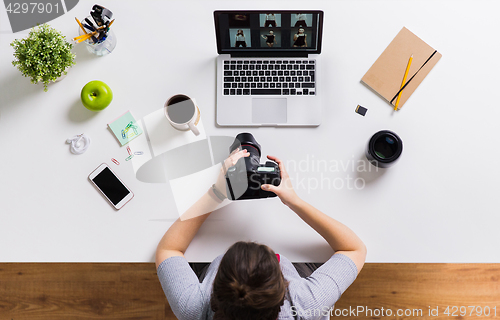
{"x": 439, "y": 203}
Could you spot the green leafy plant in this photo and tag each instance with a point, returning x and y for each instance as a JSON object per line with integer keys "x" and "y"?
{"x": 44, "y": 55}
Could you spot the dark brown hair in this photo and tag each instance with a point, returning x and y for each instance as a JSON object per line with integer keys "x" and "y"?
{"x": 249, "y": 284}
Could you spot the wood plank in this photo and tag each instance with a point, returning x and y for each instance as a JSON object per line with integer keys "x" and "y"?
{"x": 21, "y": 272}
{"x": 39, "y": 291}
{"x": 82, "y": 291}
{"x": 411, "y": 287}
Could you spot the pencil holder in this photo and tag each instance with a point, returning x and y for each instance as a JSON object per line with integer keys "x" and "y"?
{"x": 99, "y": 48}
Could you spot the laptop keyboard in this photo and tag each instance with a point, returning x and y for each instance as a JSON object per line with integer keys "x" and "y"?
{"x": 269, "y": 77}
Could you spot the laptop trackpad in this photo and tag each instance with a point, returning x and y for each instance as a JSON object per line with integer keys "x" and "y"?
{"x": 268, "y": 111}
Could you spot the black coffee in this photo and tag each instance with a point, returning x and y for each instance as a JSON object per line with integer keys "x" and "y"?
{"x": 180, "y": 109}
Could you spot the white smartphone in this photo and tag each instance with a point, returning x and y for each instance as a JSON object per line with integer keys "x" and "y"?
{"x": 108, "y": 183}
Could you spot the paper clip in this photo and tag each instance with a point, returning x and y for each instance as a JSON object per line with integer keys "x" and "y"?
{"x": 125, "y": 132}
{"x": 129, "y": 151}
{"x": 115, "y": 161}
{"x": 138, "y": 153}
{"x": 129, "y": 157}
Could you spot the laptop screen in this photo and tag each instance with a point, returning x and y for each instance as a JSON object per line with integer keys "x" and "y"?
{"x": 257, "y": 32}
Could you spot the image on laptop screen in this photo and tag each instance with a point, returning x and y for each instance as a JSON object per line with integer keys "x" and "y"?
{"x": 268, "y": 31}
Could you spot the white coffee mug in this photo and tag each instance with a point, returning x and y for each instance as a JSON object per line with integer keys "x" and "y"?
{"x": 182, "y": 113}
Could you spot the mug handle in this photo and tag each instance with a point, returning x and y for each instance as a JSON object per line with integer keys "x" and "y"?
{"x": 194, "y": 128}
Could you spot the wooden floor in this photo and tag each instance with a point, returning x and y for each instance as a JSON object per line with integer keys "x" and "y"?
{"x": 132, "y": 291}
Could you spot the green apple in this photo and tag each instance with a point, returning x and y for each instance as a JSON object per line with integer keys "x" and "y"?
{"x": 96, "y": 95}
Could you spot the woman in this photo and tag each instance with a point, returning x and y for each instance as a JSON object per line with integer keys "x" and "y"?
{"x": 240, "y": 39}
{"x": 270, "y": 38}
{"x": 300, "y": 38}
{"x": 270, "y": 20}
{"x": 301, "y": 20}
{"x": 250, "y": 281}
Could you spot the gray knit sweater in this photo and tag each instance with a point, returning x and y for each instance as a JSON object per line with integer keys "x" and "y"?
{"x": 307, "y": 298}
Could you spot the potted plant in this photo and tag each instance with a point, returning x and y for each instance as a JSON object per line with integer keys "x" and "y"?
{"x": 44, "y": 55}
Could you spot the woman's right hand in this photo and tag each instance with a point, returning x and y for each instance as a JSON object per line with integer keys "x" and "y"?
{"x": 285, "y": 190}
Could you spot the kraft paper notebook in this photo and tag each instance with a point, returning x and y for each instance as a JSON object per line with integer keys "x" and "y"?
{"x": 386, "y": 74}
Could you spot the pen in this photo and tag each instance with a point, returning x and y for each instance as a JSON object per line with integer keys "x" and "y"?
{"x": 109, "y": 25}
{"x": 403, "y": 83}
{"x": 89, "y": 22}
{"x": 93, "y": 28}
{"x": 89, "y": 27}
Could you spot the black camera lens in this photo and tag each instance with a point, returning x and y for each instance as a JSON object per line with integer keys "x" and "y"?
{"x": 384, "y": 148}
{"x": 246, "y": 139}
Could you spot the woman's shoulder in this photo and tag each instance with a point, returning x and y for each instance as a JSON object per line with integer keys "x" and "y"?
{"x": 289, "y": 271}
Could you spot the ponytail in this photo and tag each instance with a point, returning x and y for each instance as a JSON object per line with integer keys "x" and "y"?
{"x": 249, "y": 284}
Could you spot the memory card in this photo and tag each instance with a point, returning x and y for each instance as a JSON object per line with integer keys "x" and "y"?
{"x": 361, "y": 110}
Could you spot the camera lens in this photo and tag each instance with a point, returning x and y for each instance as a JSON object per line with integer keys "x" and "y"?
{"x": 384, "y": 148}
{"x": 247, "y": 141}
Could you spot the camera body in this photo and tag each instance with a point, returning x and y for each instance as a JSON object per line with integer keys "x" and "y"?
{"x": 245, "y": 178}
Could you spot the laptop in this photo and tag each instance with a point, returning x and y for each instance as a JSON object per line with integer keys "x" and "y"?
{"x": 267, "y": 68}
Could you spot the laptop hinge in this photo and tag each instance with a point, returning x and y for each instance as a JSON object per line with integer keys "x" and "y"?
{"x": 268, "y": 55}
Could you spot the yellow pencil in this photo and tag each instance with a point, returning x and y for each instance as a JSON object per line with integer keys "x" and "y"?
{"x": 84, "y": 37}
{"x": 111, "y": 23}
{"x": 403, "y": 83}
{"x": 79, "y": 23}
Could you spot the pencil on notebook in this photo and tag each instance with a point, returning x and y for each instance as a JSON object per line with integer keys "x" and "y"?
{"x": 403, "y": 83}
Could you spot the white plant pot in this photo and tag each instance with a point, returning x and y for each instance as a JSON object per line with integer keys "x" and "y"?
{"x": 61, "y": 77}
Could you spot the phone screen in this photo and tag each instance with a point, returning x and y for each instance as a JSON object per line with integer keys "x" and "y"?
{"x": 111, "y": 186}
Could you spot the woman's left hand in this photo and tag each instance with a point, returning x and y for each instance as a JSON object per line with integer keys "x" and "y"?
{"x": 220, "y": 185}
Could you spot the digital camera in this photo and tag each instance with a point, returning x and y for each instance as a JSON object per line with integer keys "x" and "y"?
{"x": 244, "y": 179}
